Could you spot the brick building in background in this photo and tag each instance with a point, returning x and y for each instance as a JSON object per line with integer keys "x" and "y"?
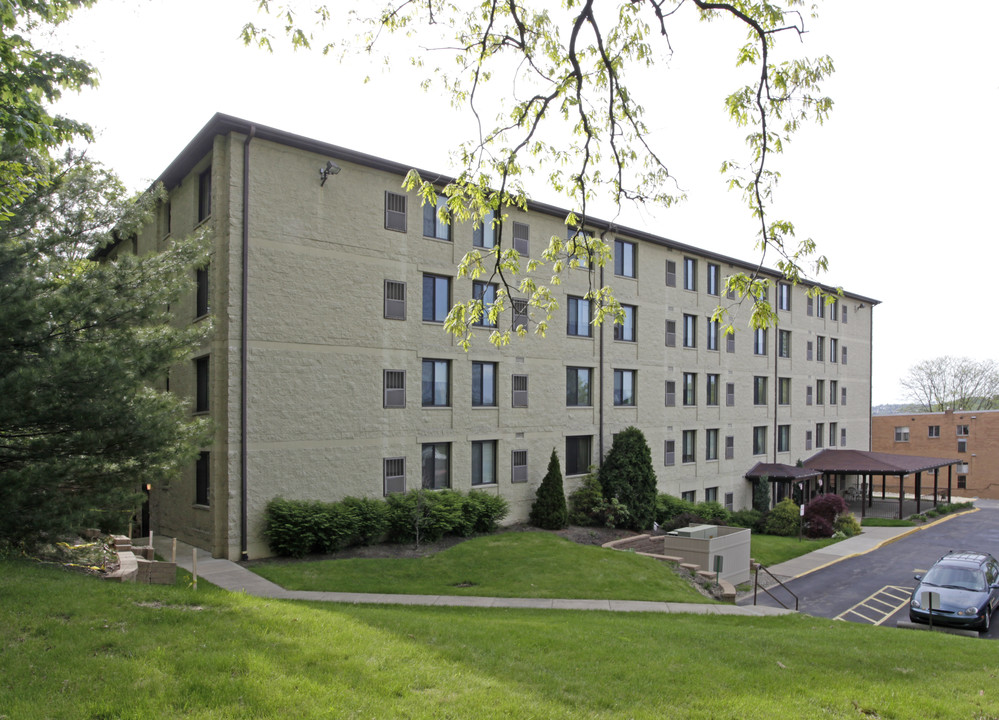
{"x": 970, "y": 437}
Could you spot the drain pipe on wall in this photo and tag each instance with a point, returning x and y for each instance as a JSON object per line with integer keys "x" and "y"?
{"x": 244, "y": 348}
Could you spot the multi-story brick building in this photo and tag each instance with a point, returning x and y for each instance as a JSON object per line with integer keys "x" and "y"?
{"x": 970, "y": 437}
{"x": 328, "y": 372}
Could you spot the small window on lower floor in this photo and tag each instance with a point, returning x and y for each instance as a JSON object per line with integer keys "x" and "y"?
{"x": 394, "y": 475}
{"x": 577, "y": 454}
{"x": 519, "y": 386}
{"x": 518, "y": 463}
{"x": 436, "y": 466}
{"x": 202, "y": 479}
{"x": 962, "y": 482}
{"x": 730, "y": 501}
{"x": 689, "y": 495}
{"x": 484, "y": 462}
{"x": 711, "y": 494}
{"x": 669, "y": 453}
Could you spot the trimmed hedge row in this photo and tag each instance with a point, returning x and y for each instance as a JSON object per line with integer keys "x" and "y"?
{"x": 297, "y": 528}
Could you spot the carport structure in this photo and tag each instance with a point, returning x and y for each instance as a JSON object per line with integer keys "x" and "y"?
{"x": 782, "y": 479}
{"x": 836, "y": 465}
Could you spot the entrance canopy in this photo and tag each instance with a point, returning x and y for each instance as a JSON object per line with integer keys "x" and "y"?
{"x": 860, "y": 462}
{"x": 779, "y": 471}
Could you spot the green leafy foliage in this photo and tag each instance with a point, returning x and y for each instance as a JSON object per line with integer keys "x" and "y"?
{"x": 83, "y": 347}
{"x": 627, "y": 475}
{"x": 670, "y": 506}
{"x": 784, "y": 520}
{"x": 549, "y": 509}
{"x": 761, "y": 494}
{"x": 848, "y": 525}
{"x": 589, "y": 507}
{"x": 748, "y": 518}
{"x": 821, "y": 513}
{"x": 581, "y": 125}
{"x": 424, "y": 516}
{"x": 371, "y": 519}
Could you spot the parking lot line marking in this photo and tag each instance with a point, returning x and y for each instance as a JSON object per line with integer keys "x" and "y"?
{"x": 881, "y": 605}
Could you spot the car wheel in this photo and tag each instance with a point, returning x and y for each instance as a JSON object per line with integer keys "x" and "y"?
{"x": 987, "y": 621}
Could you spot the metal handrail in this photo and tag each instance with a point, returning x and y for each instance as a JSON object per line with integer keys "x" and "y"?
{"x": 756, "y": 588}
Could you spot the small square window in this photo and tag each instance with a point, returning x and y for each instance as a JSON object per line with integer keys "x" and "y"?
{"x": 395, "y": 211}
{"x": 518, "y": 465}
{"x": 962, "y": 430}
{"x": 519, "y": 387}
{"x": 394, "y": 383}
{"x": 394, "y": 475}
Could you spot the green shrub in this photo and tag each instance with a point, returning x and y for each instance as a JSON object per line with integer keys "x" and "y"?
{"x": 761, "y": 494}
{"x": 549, "y": 510}
{"x": 627, "y": 475}
{"x": 669, "y": 506}
{"x": 372, "y": 519}
{"x": 848, "y": 525}
{"x": 586, "y": 502}
{"x": 289, "y": 526}
{"x": 335, "y": 525}
{"x": 745, "y": 518}
{"x": 483, "y": 510}
{"x": 712, "y": 513}
{"x": 784, "y": 519}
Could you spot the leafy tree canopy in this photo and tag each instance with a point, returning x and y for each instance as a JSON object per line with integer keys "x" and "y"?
{"x": 82, "y": 346}
{"x": 554, "y": 91}
{"x": 30, "y": 79}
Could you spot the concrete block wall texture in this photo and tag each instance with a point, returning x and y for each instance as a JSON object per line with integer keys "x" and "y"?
{"x": 978, "y": 454}
{"x": 319, "y": 343}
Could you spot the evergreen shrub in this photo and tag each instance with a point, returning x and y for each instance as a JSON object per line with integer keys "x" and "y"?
{"x": 549, "y": 509}
{"x": 628, "y": 476}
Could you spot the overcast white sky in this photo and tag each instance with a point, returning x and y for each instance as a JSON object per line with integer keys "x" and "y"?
{"x": 899, "y": 189}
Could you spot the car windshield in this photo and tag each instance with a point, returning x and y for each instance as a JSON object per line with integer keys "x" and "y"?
{"x": 958, "y": 578}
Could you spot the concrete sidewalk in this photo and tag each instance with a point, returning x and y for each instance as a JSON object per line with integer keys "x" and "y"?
{"x": 236, "y": 578}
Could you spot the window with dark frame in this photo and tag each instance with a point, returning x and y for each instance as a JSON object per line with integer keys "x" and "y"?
{"x": 729, "y": 447}
{"x": 202, "y": 479}
{"x": 486, "y": 292}
{"x": 711, "y": 389}
{"x": 760, "y": 440}
{"x": 760, "y": 341}
{"x": 783, "y": 438}
{"x": 820, "y": 392}
{"x": 669, "y": 453}
{"x": 820, "y": 344}
{"x": 577, "y": 386}
{"x": 833, "y": 350}
{"x": 842, "y": 433}
{"x": 713, "y": 328}
{"x": 518, "y": 384}
{"x": 808, "y": 350}
{"x": 436, "y": 297}
{"x": 577, "y": 454}
{"x": 483, "y": 462}
{"x": 518, "y": 466}
{"x": 690, "y": 331}
{"x": 484, "y": 236}
{"x": 689, "y": 273}
{"x": 784, "y": 391}
{"x": 202, "y": 394}
{"x": 624, "y": 258}
{"x": 626, "y": 331}
{"x": 436, "y": 383}
{"x": 579, "y": 317}
{"x": 833, "y": 392}
{"x": 625, "y": 382}
{"x": 730, "y": 342}
{"x": 820, "y": 429}
{"x": 711, "y": 444}
{"x": 689, "y": 389}
{"x": 689, "y": 496}
{"x": 436, "y": 466}
{"x": 670, "y": 393}
{"x": 833, "y": 431}
{"x": 205, "y": 194}
{"x": 808, "y": 395}
{"x": 808, "y": 439}
{"x": 784, "y": 343}
{"x": 433, "y": 225}
{"x": 483, "y": 384}
{"x": 689, "y": 446}
{"x": 714, "y": 279}
{"x": 759, "y": 390}
{"x": 783, "y": 296}
{"x": 933, "y": 431}
{"x": 202, "y": 279}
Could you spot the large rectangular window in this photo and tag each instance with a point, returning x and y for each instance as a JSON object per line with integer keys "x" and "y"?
{"x": 624, "y": 387}
{"x": 784, "y": 343}
{"x": 820, "y": 392}
{"x": 484, "y": 236}
{"x": 689, "y": 446}
{"x": 760, "y": 440}
{"x": 485, "y": 292}
{"x": 711, "y": 389}
{"x": 436, "y": 462}
{"x": 689, "y": 274}
{"x": 783, "y": 296}
{"x": 579, "y": 317}
{"x": 436, "y": 297}
{"x": 577, "y": 386}
{"x": 577, "y": 454}
{"x": 714, "y": 279}
{"x": 711, "y": 444}
{"x": 783, "y": 438}
{"x": 624, "y": 258}
{"x": 626, "y": 330}
{"x": 483, "y": 384}
{"x": 205, "y": 194}
{"x": 784, "y": 391}
{"x": 201, "y": 307}
{"x": 202, "y": 479}
{"x": 689, "y": 389}
{"x": 760, "y": 390}
{"x": 436, "y": 383}
{"x": 484, "y": 462}
{"x": 690, "y": 331}
{"x": 820, "y": 348}
{"x": 713, "y": 328}
{"x": 760, "y": 341}
{"x": 202, "y": 394}
{"x": 433, "y": 225}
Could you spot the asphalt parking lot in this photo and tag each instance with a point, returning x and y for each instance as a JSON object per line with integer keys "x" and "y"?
{"x": 874, "y": 588}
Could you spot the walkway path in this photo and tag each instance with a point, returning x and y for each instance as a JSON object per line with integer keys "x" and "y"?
{"x": 236, "y": 578}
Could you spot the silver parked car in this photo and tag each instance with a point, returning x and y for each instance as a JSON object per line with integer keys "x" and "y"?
{"x": 963, "y": 589}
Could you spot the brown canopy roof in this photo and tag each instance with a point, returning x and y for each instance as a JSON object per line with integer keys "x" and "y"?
{"x": 778, "y": 471}
{"x": 860, "y": 462}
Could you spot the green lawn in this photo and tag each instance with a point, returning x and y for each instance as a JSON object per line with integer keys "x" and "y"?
{"x": 771, "y": 549}
{"x": 523, "y": 564}
{"x": 76, "y": 647}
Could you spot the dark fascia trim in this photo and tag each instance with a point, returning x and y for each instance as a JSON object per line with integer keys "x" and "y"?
{"x": 222, "y": 124}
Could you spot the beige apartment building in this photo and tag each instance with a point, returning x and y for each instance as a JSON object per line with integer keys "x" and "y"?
{"x": 969, "y": 437}
{"x": 328, "y": 372}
